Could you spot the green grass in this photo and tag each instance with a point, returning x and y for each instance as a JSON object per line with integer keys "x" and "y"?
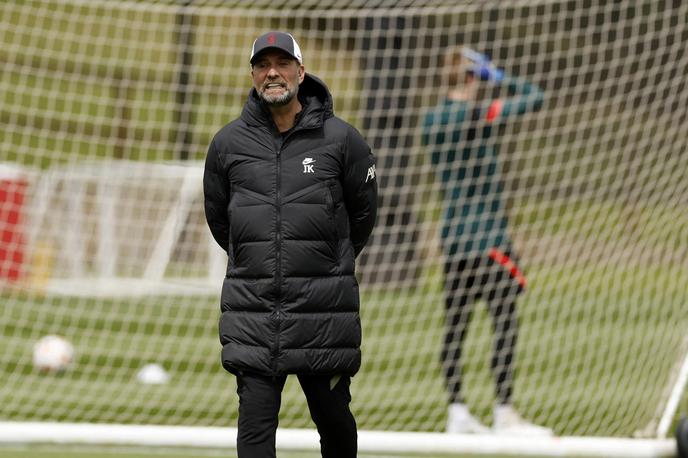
{"x": 598, "y": 341}
{"x": 590, "y": 344}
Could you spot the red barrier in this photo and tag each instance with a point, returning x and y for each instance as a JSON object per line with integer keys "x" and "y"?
{"x": 13, "y": 185}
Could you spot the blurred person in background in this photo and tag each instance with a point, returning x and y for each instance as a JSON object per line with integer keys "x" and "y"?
{"x": 463, "y": 135}
{"x": 290, "y": 195}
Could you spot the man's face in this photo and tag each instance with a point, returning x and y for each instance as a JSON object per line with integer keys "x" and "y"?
{"x": 276, "y": 77}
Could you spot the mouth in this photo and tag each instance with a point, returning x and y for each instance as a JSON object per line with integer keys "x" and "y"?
{"x": 273, "y": 86}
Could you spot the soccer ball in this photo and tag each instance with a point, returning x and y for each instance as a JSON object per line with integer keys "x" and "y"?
{"x": 52, "y": 354}
{"x": 153, "y": 374}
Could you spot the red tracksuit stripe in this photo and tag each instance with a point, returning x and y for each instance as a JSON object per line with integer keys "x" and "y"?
{"x": 503, "y": 259}
{"x": 495, "y": 110}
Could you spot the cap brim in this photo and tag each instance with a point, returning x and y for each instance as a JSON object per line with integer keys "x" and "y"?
{"x": 273, "y": 48}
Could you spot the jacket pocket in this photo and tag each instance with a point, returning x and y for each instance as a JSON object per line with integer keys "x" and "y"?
{"x": 331, "y": 205}
{"x": 329, "y": 202}
{"x": 230, "y": 242}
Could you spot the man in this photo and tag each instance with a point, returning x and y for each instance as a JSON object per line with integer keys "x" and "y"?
{"x": 463, "y": 134}
{"x": 290, "y": 194}
{"x": 682, "y": 437}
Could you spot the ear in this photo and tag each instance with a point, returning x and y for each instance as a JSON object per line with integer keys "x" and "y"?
{"x": 301, "y": 73}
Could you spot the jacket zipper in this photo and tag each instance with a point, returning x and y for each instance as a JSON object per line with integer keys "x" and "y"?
{"x": 278, "y": 255}
{"x": 278, "y": 248}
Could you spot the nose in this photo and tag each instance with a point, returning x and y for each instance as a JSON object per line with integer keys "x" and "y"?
{"x": 272, "y": 73}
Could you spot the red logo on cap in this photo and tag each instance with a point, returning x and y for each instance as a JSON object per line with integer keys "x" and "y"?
{"x": 271, "y": 38}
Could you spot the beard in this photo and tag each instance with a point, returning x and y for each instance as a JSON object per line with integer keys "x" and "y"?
{"x": 278, "y": 100}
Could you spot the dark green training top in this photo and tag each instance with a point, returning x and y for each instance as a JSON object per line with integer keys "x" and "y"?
{"x": 463, "y": 137}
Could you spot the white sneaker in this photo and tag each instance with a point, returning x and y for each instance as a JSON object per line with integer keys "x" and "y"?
{"x": 460, "y": 421}
{"x": 508, "y": 421}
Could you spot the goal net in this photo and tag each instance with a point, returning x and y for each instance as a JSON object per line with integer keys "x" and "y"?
{"x": 107, "y": 109}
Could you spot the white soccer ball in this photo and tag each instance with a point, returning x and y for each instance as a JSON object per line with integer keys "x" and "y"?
{"x": 153, "y": 374}
{"x": 52, "y": 354}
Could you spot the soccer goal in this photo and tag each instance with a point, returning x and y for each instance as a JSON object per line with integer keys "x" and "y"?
{"x": 112, "y": 228}
{"x": 107, "y": 109}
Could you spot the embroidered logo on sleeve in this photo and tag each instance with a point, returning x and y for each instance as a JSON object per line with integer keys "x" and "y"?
{"x": 371, "y": 173}
{"x": 308, "y": 164}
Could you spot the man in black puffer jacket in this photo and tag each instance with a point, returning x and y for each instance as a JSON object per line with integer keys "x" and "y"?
{"x": 290, "y": 194}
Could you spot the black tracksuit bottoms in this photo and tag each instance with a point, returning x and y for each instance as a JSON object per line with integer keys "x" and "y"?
{"x": 328, "y": 400}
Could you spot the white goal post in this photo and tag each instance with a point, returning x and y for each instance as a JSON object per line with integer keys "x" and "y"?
{"x": 308, "y": 440}
{"x": 106, "y": 112}
{"x": 84, "y": 222}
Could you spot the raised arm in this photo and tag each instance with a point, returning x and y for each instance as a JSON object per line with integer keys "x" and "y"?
{"x": 522, "y": 97}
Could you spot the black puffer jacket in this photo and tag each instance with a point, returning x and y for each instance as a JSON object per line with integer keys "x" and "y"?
{"x": 292, "y": 211}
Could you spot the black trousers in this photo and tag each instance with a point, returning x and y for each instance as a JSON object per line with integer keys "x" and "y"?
{"x": 328, "y": 401}
{"x": 497, "y": 281}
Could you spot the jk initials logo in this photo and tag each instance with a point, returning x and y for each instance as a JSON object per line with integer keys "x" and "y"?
{"x": 371, "y": 174}
{"x": 308, "y": 165}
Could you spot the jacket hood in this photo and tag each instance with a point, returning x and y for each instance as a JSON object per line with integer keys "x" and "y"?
{"x": 313, "y": 94}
